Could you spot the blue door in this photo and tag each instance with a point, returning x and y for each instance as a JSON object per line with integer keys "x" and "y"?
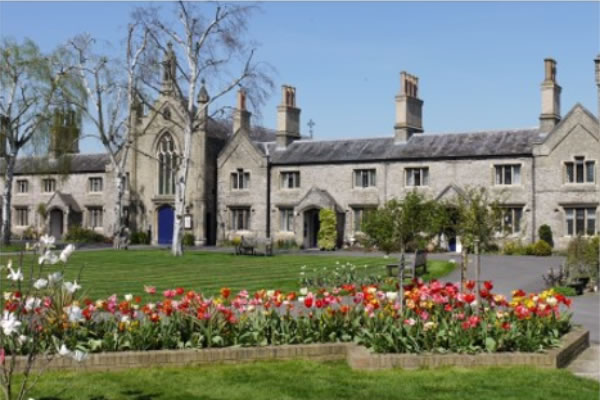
{"x": 166, "y": 218}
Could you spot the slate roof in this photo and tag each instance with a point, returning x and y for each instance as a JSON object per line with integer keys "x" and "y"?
{"x": 420, "y": 146}
{"x": 75, "y": 163}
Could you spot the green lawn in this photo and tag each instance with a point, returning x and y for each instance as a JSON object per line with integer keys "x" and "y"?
{"x": 311, "y": 380}
{"x": 108, "y": 271}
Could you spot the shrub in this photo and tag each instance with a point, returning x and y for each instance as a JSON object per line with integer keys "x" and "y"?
{"x": 140, "y": 238}
{"x": 565, "y": 290}
{"x": 545, "y": 234}
{"x": 79, "y": 234}
{"x": 189, "y": 239}
{"x": 29, "y": 234}
{"x": 582, "y": 257}
{"x": 541, "y": 249}
{"x": 328, "y": 229}
{"x": 514, "y": 248}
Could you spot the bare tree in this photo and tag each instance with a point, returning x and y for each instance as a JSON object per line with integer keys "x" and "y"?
{"x": 30, "y": 83}
{"x": 113, "y": 97}
{"x": 212, "y": 48}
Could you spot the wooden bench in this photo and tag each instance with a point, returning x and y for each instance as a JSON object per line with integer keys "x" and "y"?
{"x": 419, "y": 261}
{"x": 250, "y": 245}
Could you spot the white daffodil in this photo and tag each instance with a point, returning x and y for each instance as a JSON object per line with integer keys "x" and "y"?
{"x": 47, "y": 240}
{"x": 71, "y": 287}
{"x": 66, "y": 253}
{"x": 9, "y": 323}
{"x": 303, "y": 291}
{"x": 54, "y": 278}
{"x": 75, "y": 314}
{"x": 32, "y": 303}
{"x": 22, "y": 339}
{"x": 15, "y": 275}
{"x": 40, "y": 284}
{"x": 48, "y": 258}
{"x": 64, "y": 351}
{"x": 79, "y": 356}
{"x": 270, "y": 293}
{"x": 391, "y": 296}
{"x": 128, "y": 297}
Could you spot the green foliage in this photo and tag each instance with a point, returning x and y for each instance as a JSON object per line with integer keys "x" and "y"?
{"x": 404, "y": 225}
{"x": 328, "y": 229}
{"x": 513, "y": 248}
{"x": 78, "y": 234}
{"x": 565, "y": 290}
{"x": 582, "y": 257}
{"x": 479, "y": 217}
{"x": 42, "y": 210}
{"x": 286, "y": 244}
{"x": 541, "y": 249}
{"x": 545, "y": 234}
{"x": 189, "y": 239}
{"x": 139, "y": 238}
{"x": 30, "y": 233}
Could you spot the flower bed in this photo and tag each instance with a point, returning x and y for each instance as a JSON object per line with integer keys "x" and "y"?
{"x": 435, "y": 317}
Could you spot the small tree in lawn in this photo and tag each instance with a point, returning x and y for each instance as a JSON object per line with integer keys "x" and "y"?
{"x": 479, "y": 218}
{"x": 209, "y": 47}
{"x": 381, "y": 227}
{"x": 327, "y": 229}
{"x": 30, "y": 84}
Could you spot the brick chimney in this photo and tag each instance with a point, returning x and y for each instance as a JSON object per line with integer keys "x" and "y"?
{"x": 409, "y": 109}
{"x": 241, "y": 116}
{"x": 288, "y": 117}
{"x": 550, "y": 115}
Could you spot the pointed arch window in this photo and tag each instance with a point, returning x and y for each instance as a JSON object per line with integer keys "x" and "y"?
{"x": 167, "y": 165}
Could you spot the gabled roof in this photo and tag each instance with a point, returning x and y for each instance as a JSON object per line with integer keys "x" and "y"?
{"x": 72, "y": 163}
{"x": 420, "y": 146}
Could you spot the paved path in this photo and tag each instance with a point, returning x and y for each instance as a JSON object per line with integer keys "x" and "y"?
{"x": 587, "y": 365}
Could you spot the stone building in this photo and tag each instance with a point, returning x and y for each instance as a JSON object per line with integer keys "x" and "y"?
{"x": 265, "y": 183}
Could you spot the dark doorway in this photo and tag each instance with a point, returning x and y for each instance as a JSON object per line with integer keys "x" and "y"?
{"x": 56, "y": 223}
{"x": 311, "y": 228}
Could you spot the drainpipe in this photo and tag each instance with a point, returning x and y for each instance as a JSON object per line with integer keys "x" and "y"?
{"x": 533, "y": 200}
{"x": 268, "y": 233}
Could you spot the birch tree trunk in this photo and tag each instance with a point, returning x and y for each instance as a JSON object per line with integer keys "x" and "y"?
{"x": 7, "y": 199}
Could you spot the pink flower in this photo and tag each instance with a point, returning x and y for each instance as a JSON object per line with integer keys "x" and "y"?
{"x": 149, "y": 289}
{"x": 410, "y": 322}
{"x": 169, "y": 293}
{"x": 424, "y": 315}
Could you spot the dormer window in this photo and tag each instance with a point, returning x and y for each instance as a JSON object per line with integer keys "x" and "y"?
{"x": 240, "y": 180}
{"x": 580, "y": 171}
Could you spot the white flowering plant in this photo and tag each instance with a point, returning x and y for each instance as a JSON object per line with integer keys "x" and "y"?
{"x": 34, "y": 308}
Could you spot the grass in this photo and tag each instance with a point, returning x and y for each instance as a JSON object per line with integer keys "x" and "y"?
{"x": 286, "y": 380}
{"x": 13, "y": 247}
{"x": 109, "y": 271}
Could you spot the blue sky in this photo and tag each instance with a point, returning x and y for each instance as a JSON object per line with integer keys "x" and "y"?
{"x": 480, "y": 64}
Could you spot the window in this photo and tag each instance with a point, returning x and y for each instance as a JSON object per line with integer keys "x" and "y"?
{"x": 364, "y": 178}
{"x": 359, "y": 215}
{"x": 417, "y": 176}
{"x": 95, "y": 184}
{"x": 22, "y": 216}
{"x": 240, "y": 219}
{"x": 49, "y": 185}
{"x": 286, "y": 219}
{"x": 240, "y": 180}
{"x": 167, "y": 165}
{"x": 22, "y": 186}
{"x": 581, "y": 221}
{"x": 290, "y": 180}
{"x": 95, "y": 214}
{"x": 511, "y": 219}
{"x": 508, "y": 175}
{"x": 580, "y": 171}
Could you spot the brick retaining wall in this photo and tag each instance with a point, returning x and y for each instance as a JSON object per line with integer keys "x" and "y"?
{"x": 358, "y": 357}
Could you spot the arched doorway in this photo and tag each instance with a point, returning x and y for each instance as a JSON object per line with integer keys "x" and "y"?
{"x": 56, "y": 223}
{"x": 311, "y": 228}
{"x": 166, "y": 219}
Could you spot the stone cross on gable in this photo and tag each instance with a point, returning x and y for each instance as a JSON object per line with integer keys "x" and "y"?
{"x": 311, "y": 124}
